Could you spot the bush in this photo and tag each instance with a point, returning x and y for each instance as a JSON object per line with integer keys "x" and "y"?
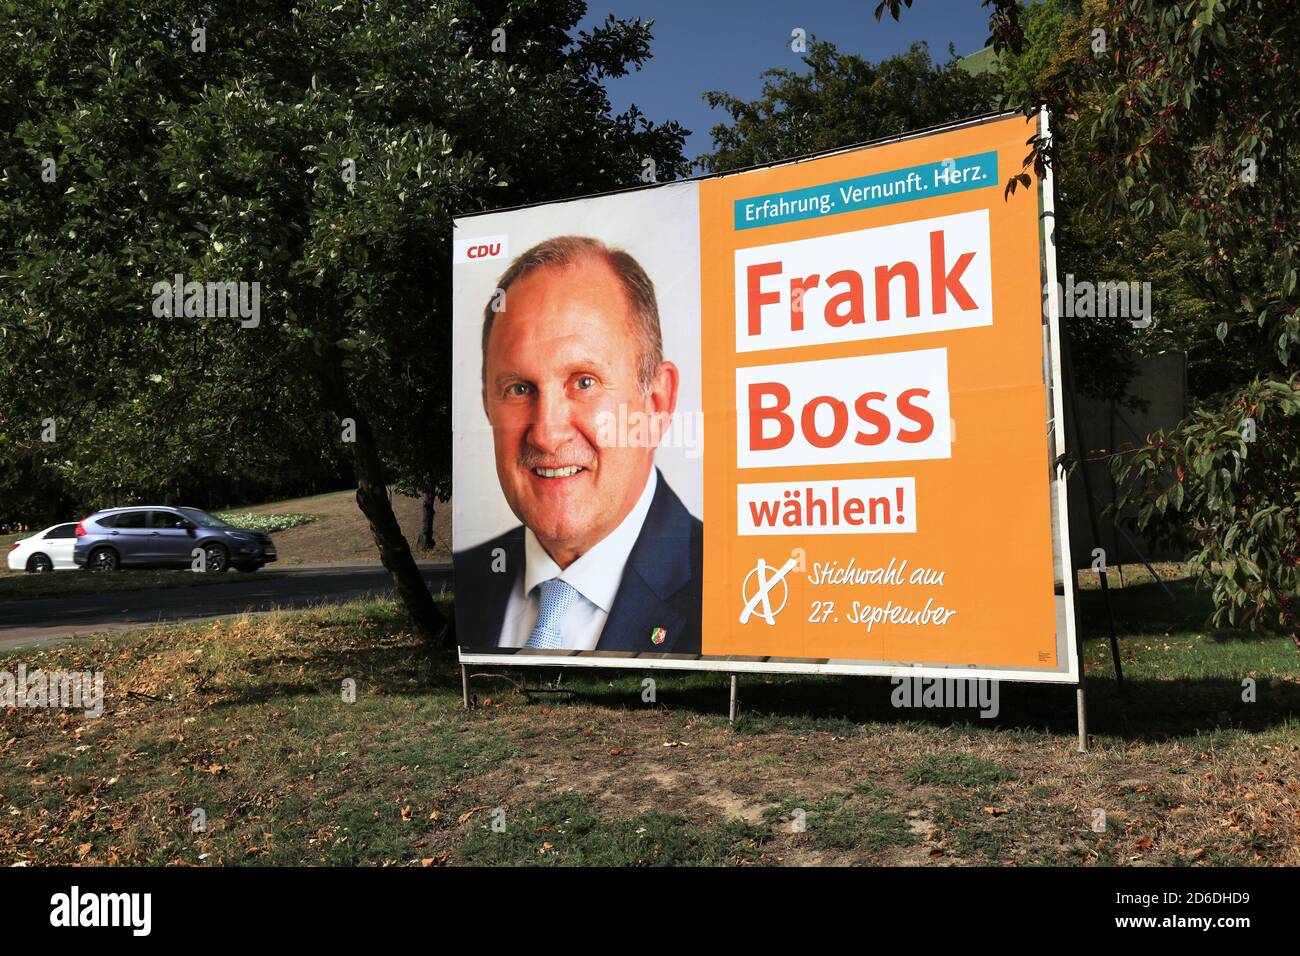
{"x": 1229, "y": 479}
{"x": 270, "y": 523}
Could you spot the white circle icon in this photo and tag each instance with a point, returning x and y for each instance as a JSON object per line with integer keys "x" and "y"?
{"x": 760, "y": 600}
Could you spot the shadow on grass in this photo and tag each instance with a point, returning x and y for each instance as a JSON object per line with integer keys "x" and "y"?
{"x": 1147, "y": 608}
{"x": 1151, "y": 710}
{"x": 1181, "y": 680}
{"x": 372, "y": 644}
{"x": 387, "y": 671}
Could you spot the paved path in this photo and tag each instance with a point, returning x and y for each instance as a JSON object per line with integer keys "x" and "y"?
{"x": 45, "y": 621}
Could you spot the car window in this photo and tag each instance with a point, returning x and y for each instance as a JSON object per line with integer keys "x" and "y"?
{"x": 162, "y": 520}
{"x": 203, "y": 519}
{"x": 62, "y": 531}
{"x": 130, "y": 519}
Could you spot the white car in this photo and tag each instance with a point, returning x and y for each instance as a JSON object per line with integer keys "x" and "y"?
{"x": 48, "y": 550}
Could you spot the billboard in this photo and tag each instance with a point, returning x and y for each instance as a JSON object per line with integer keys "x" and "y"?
{"x": 796, "y": 418}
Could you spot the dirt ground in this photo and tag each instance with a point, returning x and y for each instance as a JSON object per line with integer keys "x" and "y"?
{"x": 993, "y": 799}
{"x": 244, "y": 719}
{"x": 341, "y": 535}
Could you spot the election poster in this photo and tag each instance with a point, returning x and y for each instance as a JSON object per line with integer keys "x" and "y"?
{"x": 798, "y": 418}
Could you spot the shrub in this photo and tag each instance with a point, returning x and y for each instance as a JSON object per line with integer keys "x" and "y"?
{"x": 1229, "y": 478}
{"x": 270, "y": 523}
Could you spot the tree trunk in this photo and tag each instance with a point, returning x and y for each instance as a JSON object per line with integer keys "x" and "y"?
{"x": 372, "y": 498}
{"x": 377, "y": 506}
{"x": 425, "y": 541}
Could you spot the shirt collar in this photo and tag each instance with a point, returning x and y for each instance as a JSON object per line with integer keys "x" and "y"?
{"x": 597, "y": 574}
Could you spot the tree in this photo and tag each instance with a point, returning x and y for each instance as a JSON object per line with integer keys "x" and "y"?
{"x": 317, "y": 149}
{"x": 1192, "y": 113}
{"x": 1233, "y": 498}
{"x": 840, "y": 100}
{"x": 1189, "y": 114}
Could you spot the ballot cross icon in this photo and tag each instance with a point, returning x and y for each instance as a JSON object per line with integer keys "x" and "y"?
{"x": 768, "y": 577}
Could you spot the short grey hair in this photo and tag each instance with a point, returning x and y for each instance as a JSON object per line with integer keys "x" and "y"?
{"x": 640, "y": 292}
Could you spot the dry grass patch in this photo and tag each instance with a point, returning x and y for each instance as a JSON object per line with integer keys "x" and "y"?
{"x": 246, "y": 721}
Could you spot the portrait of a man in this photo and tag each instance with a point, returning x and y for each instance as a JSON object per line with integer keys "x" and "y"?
{"x": 607, "y": 557}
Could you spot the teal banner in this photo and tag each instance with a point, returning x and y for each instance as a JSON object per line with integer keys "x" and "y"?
{"x": 879, "y": 189}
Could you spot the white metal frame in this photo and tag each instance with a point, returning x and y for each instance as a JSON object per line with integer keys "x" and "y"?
{"x": 1059, "y": 431}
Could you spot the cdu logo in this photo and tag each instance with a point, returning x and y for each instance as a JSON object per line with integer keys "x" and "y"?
{"x": 480, "y": 249}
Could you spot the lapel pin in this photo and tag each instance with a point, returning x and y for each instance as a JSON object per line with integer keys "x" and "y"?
{"x": 658, "y": 635}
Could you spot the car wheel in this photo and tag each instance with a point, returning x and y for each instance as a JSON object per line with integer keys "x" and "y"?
{"x": 102, "y": 559}
{"x": 39, "y": 564}
{"x": 215, "y": 558}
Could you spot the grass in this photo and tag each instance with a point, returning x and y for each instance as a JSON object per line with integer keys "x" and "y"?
{"x": 246, "y": 721}
{"x": 568, "y": 830}
{"x": 841, "y": 820}
{"x": 340, "y": 534}
{"x": 955, "y": 770}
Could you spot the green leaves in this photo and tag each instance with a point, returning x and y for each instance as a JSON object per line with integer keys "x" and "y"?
{"x": 1228, "y": 481}
{"x": 838, "y": 100}
{"x": 227, "y": 166}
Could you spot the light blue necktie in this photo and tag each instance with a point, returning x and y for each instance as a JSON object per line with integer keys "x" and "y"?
{"x": 555, "y": 599}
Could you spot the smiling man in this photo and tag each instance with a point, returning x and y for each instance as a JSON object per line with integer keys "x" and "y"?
{"x": 607, "y": 558}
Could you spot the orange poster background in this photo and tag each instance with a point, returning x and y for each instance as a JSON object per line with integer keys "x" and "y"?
{"x": 983, "y": 515}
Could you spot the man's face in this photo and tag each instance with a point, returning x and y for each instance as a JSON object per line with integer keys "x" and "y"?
{"x": 562, "y": 359}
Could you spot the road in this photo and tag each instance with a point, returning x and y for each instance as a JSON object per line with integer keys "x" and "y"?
{"x": 44, "y": 621}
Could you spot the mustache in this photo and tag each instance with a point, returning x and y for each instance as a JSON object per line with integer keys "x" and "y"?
{"x": 582, "y": 455}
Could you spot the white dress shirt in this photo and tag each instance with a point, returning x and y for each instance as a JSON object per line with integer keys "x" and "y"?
{"x": 596, "y": 576}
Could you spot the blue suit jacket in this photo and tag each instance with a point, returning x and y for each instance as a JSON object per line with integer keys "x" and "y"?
{"x": 660, "y": 587}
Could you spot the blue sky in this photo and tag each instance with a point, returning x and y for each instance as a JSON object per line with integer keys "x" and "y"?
{"x": 725, "y": 44}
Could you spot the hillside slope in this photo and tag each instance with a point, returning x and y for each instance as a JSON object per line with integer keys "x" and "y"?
{"x": 340, "y": 534}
